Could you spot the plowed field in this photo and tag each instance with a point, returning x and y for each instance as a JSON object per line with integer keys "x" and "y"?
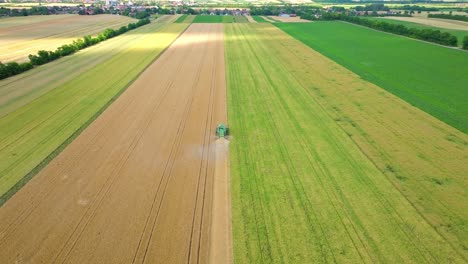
{"x": 136, "y": 185}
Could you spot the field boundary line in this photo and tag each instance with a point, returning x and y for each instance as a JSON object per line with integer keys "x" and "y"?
{"x": 5, "y": 197}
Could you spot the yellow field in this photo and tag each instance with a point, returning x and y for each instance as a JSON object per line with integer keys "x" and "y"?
{"x": 24, "y": 36}
{"x": 18, "y": 21}
{"x": 33, "y": 129}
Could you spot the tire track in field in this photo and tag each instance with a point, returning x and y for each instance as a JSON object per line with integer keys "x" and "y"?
{"x": 111, "y": 170}
{"x": 307, "y": 205}
{"x": 355, "y": 167}
{"x": 176, "y": 149}
{"x": 385, "y": 204}
{"x": 351, "y": 198}
{"x": 112, "y": 180}
{"x": 253, "y": 184}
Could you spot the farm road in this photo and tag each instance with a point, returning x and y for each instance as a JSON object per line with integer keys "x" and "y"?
{"x": 136, "y": 185}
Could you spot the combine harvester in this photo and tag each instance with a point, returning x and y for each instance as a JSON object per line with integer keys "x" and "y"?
{"x": 222, "y": 131}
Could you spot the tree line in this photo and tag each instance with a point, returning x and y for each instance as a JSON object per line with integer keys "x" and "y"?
{"x": 430, "y": 35}
{"x": 449, "y": 16}
{"x": 272, "y": 10}
{"x": 42, "y": 57}
{"x": 33, "y": 11}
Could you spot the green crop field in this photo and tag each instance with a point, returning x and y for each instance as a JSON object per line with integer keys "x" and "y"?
{"x": 181, "y": 19}
{"x": 185, "y": 19}
{"x": 209, "y": 19}
{"x": 460, "y": 34}
{"x": 302, "y": 190}
{"x": 34, "y": 131}
{"x": 431, "y": 77}
{"x": 220, "y": 19}
{"x": 259, "y": 19}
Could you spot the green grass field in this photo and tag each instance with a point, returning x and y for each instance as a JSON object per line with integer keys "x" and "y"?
{"x": 302, "y": 190}
{"x": 34, "y": 131}
{"x": 460, "y": 34}
{"x": 431, "y": 77}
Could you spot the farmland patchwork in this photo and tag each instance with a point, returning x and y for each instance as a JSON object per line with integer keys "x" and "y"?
{"x": 302, "y": 190}
{"x": 429, "y": 77}
{"x": 32, "y": 132}
{"x": 323, "y": 166}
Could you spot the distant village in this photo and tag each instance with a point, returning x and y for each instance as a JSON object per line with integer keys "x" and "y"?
{"x": 128, "y": 8}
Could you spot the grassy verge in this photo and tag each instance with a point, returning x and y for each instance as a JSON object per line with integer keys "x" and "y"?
{"x": 427, "y": 76}
{"x": 31, "y": 133}
{"x": 302, "y": 190}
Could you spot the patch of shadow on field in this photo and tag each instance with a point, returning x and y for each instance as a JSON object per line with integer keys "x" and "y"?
{"x": 4, "y": 198}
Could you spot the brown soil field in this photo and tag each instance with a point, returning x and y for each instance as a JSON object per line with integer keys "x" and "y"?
{"x": 290, "y": 19}
{"x": 435, "y": 22}
{"x": 137, "y": 185}
{"x": 19, "y": 41}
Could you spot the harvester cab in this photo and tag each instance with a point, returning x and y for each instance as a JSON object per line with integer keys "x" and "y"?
{"x": 222, "y": 130}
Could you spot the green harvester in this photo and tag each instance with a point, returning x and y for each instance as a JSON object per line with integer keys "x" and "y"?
{"x": 222, "y": 130}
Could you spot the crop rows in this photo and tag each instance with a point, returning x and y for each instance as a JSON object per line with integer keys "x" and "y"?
{"x": 427, "y": 76}
{"x": 32, "y": 132}
{"x": 302, "y": 190}
{"x": 50, "y": 34}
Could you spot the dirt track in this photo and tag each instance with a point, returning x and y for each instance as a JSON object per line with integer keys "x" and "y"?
{"x": 136, "y": 185}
